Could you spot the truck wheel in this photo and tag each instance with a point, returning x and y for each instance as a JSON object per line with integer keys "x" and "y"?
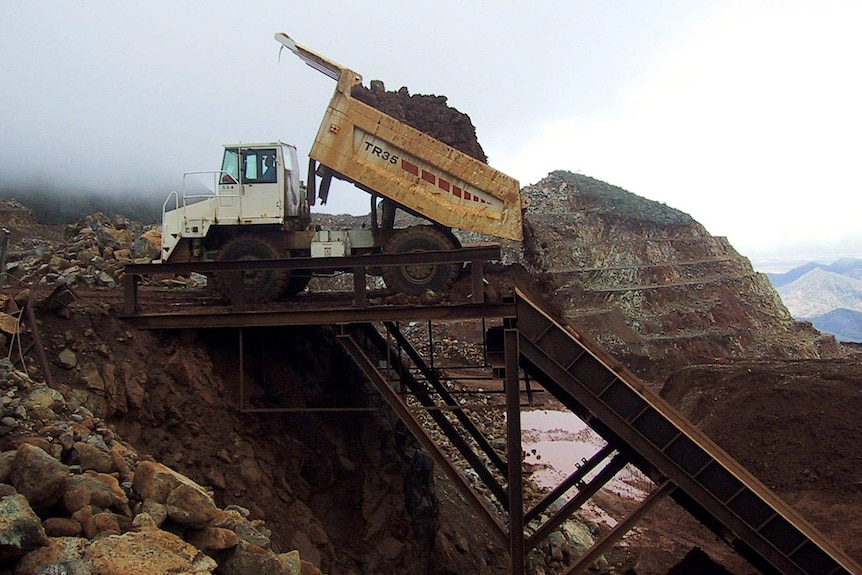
{"x": 298, "y": 281}
{"x": 417, "y": 279}
{"x": 257, "y": 285}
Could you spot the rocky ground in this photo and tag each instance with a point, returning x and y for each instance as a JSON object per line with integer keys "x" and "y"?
{"x": 128, "y": 410}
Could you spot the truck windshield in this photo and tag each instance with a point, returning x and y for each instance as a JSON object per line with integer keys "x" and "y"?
{"x": 230, "y": 166}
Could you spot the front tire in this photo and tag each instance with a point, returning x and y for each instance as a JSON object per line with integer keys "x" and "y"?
{"x": 420, "y": 278}
{"x": 257, "y": 285}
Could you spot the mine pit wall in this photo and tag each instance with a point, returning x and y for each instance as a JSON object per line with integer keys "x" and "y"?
{"x": 649, "y": 283}
{"x": 352, "y": 492}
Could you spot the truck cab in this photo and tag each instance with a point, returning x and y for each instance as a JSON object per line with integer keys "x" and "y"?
{"x": 263, "y": 179}
{"x": 258, "y": 184}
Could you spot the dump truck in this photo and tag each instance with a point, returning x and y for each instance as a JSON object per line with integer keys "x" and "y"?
{"x": 258, "y": 207}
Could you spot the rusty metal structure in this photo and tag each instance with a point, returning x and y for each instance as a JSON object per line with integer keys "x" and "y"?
{"x": 533, "y": 352}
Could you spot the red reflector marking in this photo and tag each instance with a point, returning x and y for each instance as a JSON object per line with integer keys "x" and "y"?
{"x": 333, "y": 129}
{"x": 429, "y": 177}
{"x": 457, "y": 191}
{"x": 408, "y": 167}
{"x": 467, "y": 196}
{"x": 444, "y": 185}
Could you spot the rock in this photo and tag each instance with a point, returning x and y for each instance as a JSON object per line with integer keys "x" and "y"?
{"x": 98, "y": 489}
{"x": 155, "y": 481}
{"x": 252, "y": 532}
{"x": 105, "y": 279}
{"x": 578, "y": 536}
{"x": 61, "y": 556}
{"x": 291, "y": 562}
{"x": 38, "y": 477}
{"x": 67, "y": 359}
{"x": 188, "y": 505}
{"x": 39, "y": 442}
{"x": 8, "y": 323}
{"x": 212, "y": 539}
{"x": 391, "y": 548}
{"x": 147, "y": 552}
{"x": 249, "y": 559}
{"x": 90, "y": 376}
{"x": 62, "y": 527}
{"x": 102, "y": 523}
{"x": 91, "y": 457}
{"x": 6, "y": 459}
{"x": 21, "y": 530}
{"x": 157, "y": 512}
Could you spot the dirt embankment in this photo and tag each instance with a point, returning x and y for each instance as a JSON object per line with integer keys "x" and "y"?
{"x": 794, "y": 425}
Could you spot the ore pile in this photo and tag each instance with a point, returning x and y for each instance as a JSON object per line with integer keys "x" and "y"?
{"x": 89, "y": 253}
{"x": 76, "y": 499}
{"x": 427, "y": 113}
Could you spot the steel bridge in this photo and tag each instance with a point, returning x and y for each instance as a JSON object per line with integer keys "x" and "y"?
{"x": 529, "y": 351}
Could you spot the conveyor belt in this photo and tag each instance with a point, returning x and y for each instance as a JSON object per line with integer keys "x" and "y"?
{"x": 666, "y": 446}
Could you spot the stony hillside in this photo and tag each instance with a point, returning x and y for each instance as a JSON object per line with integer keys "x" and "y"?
{"x": 651, "y": 284}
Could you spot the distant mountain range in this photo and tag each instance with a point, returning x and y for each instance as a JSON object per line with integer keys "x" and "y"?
{"x": 829, "y": 296}
{"x": 851, "y": 267}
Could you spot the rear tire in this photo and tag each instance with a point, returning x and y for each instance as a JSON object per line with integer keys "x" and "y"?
{"x": 257, "y": 285}
{"x": 420, "y": 278}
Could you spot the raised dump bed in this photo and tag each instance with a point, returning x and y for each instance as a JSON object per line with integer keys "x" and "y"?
{"x": 399, "y": 162}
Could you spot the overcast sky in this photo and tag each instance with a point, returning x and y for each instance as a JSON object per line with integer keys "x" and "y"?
{"x": 744, "y": 114}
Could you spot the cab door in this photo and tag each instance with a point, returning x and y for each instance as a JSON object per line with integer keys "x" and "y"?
{"x": 261, "y": 184}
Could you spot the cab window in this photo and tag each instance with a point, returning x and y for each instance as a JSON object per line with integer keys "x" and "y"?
{"x": 259, "y": 166}
{"x": 230, "y": 167}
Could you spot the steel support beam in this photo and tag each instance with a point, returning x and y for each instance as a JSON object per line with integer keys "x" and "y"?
{"x": 357, "y": 265}
{"x": 445, "y": 425}
{"x": 591, "y": 488}
{"x": 592, "y": 555}
{"x": 514, "y": 454}
{"x": 576, "y": 477}
{"x": 394, "y": 401}
{"x": 293, "y": 316}
{"x": 440, "y": 389}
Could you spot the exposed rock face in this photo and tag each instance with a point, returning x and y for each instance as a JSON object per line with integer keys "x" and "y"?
{"x": 651, "y": 284}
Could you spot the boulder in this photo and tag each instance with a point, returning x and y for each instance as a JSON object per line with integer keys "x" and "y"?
{"x": 38, "y": 477}
{"x": 250, "y": 559}
{"x": 212, "y": 539}
{"x": 67, "y": 359}
{"x": 98, "y": 489}
{"x": 62, "y": 527}
{"x": 6, "y": 459}
{"x": 148, "y": 552}
{"x": 21, "y": 530}
{"x": 89, "y": 456}
{"x": 64, "y": 554}
{"x": 155, "y": 481}
{"x": 189, "y": 506}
